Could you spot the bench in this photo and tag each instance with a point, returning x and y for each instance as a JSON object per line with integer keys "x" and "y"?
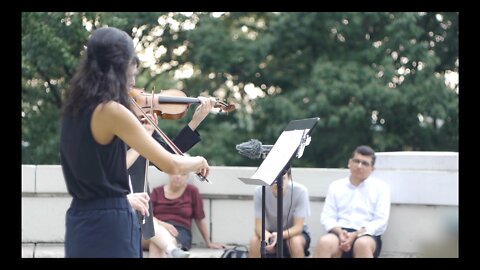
{"x": 424, "y": 202}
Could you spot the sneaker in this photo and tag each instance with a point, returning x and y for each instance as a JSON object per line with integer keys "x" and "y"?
{"x": 179, "y": 253}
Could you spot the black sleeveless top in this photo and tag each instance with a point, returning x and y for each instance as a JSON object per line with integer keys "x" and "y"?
{"x": 91, "y": 170}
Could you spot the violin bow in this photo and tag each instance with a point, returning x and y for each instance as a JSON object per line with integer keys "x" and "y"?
{"x": 147, "y": 165}
{"x": 165, "y": 137}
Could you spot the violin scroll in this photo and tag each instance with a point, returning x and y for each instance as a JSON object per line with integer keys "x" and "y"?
{"x": 224, "y": 107}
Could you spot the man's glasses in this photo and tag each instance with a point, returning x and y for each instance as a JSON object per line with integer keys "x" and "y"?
{"x": 358, "y": 161}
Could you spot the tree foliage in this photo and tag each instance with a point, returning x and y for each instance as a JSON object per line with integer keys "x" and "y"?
{"x": 372, "y": 78}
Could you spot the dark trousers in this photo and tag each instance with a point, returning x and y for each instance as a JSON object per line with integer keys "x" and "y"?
{"x": 184, "y": 237}
{"x": 102, "y": 228}
{"x": 286, "y": 252}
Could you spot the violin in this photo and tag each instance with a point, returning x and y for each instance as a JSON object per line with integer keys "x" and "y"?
{"x": 164, "y": 136}
{"x": 170, "y": 104}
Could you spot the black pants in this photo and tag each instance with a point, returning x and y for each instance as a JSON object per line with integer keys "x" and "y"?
{"x": 102, "y": 228}
{"x": 286, "y": 252}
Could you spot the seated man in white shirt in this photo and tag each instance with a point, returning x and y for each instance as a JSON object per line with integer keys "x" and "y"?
{"x": 356, "y": 211}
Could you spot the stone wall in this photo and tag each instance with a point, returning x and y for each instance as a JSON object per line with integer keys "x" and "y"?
{"x": 424, "y": 189}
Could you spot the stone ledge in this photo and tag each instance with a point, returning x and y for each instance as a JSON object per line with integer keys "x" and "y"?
{"x": 28, "y": 250}
{"x": 56, "y": 250}
{"x": 391, "y": 254}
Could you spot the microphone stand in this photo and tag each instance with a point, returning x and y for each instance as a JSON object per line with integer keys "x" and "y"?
{"x": 263, "y": 243}
{"x": 280, "y": 196}
{"x": 280, "y": 214}
{"x": 306, "y": 125}
{"x": 280, "y": 209}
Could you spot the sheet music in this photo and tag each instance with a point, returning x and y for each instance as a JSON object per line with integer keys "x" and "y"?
{"x": 280, "y": 154}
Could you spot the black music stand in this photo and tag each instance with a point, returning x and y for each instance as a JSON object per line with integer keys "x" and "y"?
{"x": 291, "y": 143}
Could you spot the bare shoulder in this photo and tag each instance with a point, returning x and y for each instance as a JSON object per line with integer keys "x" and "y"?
{"x": 111, "y": 109}
{"x": 107, "y": 117}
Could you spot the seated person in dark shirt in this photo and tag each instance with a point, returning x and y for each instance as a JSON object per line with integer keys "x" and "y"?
{"x": 174, "y": 206}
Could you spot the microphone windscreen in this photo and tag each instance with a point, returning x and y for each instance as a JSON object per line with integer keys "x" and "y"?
{"x": 251, "y": 149}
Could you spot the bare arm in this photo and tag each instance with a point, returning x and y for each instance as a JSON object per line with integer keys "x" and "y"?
{"x": 258, "y": 227}
{"x": 270, "y": 237}
{"x": 296, "y": 229}
{"x": 203, "y": 230}
{"x": 258, "y": 230}
{"x": 132, "y": 155}
{"x": 202, "y": 227}
{"x": 113, "y": 119}
{"x": 206, "y": 105}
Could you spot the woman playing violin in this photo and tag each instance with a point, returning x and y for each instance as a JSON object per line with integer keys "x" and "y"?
{"x": 96, "y": 125}
{"x": 154, "y": 230}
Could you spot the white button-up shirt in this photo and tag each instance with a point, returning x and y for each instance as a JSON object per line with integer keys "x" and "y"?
{"x": 366, "y": 205}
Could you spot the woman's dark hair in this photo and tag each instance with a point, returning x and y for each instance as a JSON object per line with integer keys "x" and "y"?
{"x": 365, "y": 150}
{"x": 103, "y": 74}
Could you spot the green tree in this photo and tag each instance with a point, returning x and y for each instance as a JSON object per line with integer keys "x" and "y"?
{"x": 372, "y": 78}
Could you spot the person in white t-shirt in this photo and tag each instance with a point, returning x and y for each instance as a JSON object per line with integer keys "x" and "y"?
{"x": 356, "y": 211}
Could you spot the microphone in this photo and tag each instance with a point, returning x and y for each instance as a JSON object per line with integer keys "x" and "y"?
{"x": 253, "y": 149}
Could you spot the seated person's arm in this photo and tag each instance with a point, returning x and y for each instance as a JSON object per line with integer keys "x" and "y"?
{"x": 203, "y": 230}
{"x": 296, "y": 229}
{"x": 258, "y": 230}
{"x": 337, "y": 231}
{"x": 378, "y": 224}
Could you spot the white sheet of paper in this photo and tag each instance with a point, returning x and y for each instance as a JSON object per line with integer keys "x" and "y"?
{"x": 280, "y": 154}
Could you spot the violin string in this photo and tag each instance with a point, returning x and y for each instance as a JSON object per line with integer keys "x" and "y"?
{"x": 164, "y": 136}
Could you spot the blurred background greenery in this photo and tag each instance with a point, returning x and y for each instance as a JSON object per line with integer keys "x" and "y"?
{"x": 389, "y": 80}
